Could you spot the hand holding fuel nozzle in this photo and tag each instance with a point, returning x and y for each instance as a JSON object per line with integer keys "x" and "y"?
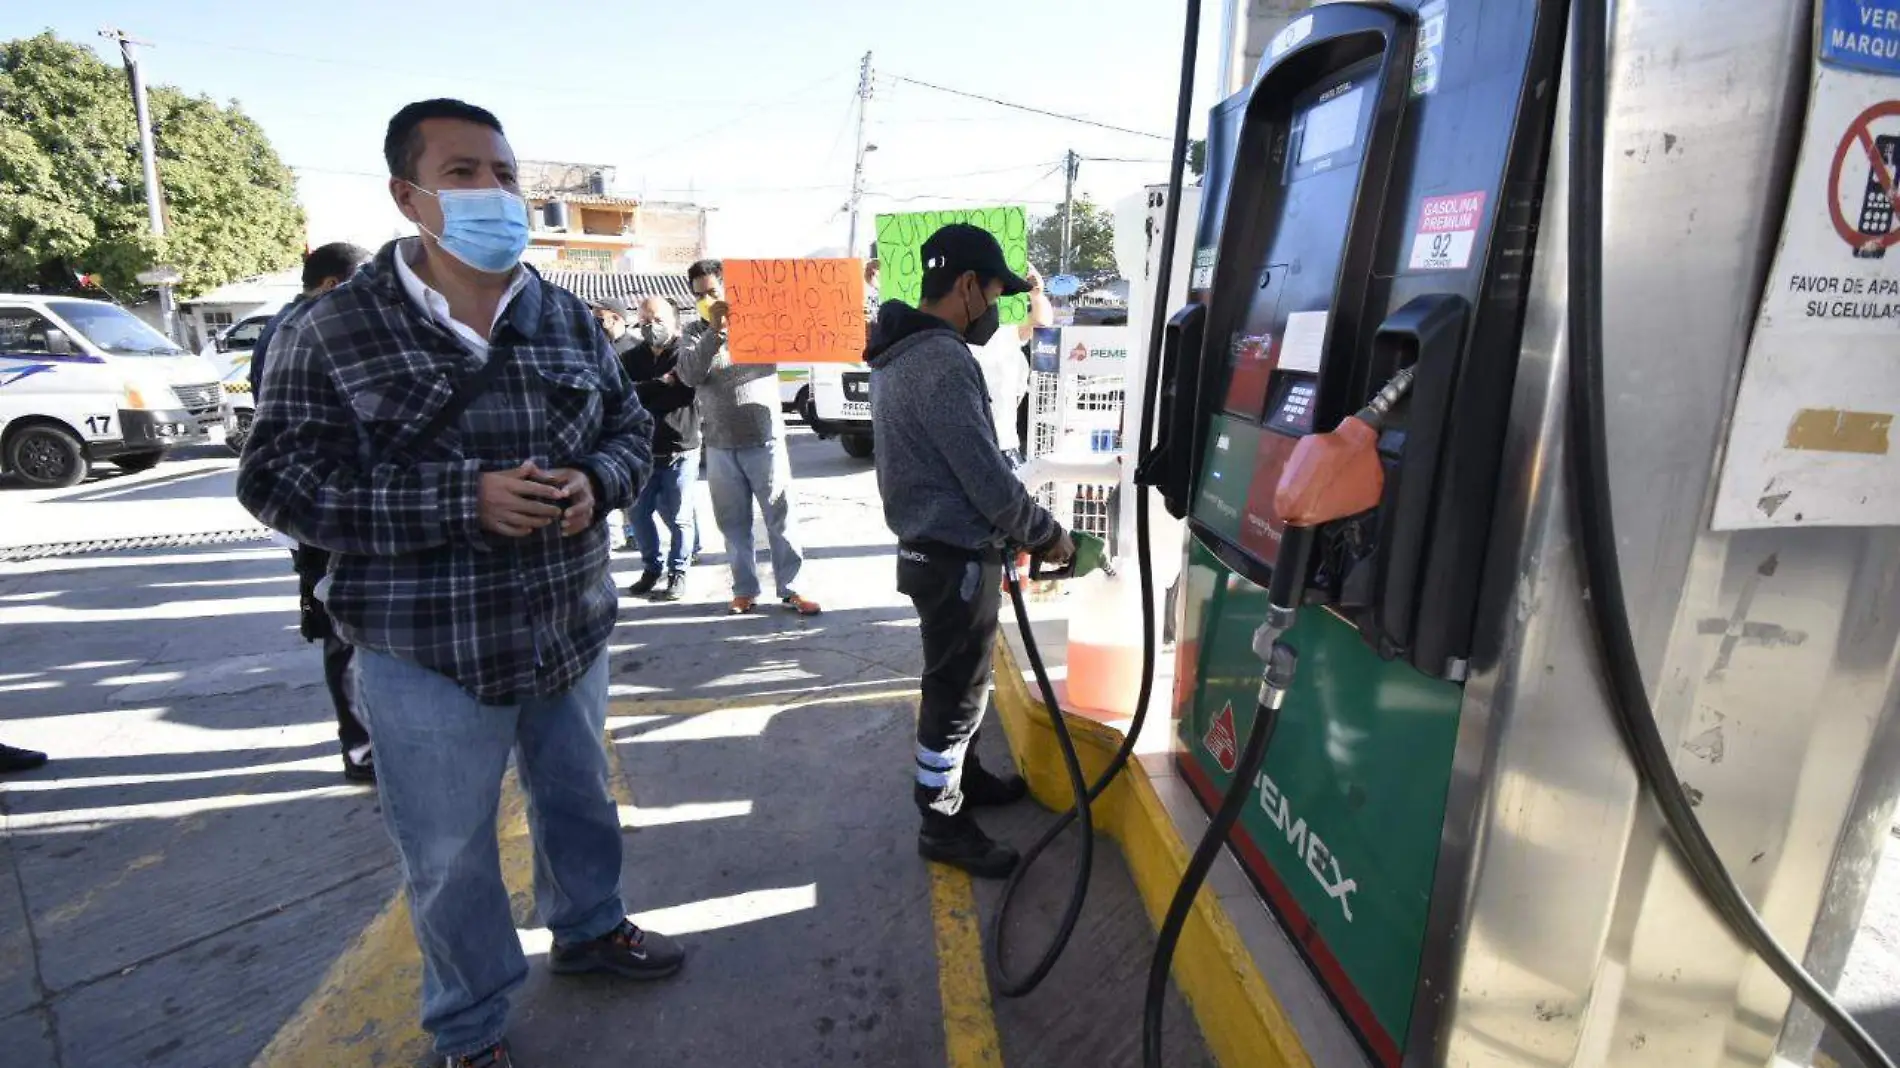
{"x": 1073, "y": 554}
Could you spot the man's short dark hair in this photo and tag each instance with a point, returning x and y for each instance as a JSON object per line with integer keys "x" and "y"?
{"x": 939, "y": 281}
{"x": 402, "y": 144}
{"x": 338, "y": 260}
{"x": 705, "y": 268}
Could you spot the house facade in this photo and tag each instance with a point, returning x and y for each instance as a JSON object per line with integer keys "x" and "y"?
{"x": 578, "y": 224}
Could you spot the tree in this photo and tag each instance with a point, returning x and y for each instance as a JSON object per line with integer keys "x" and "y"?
{"x": 72, "y": 194}
{"x": 1093, "y": 239}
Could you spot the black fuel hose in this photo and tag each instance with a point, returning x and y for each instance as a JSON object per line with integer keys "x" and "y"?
{"x": 1287, "y": 590}
{"x": 1079, "y": 812}
{"x": 1592, "y": 503}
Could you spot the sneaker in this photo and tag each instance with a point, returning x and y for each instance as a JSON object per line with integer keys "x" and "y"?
{"x": 986, "y": 789}
{"x": 645, "y": 582}
{"x": 800, "y": 605}
{"x": 363, "y": 770}
{"x": 626, "y": 951}
{"x": 495, "y": 1056}
{"x": 12, "y": 759}
{"x": 675, "y": 588}
{"x": 959, "y": 842}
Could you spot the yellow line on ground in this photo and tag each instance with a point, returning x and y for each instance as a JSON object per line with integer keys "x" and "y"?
{"x": 969, "y": 1024}
{"x": 365, "y": 1011}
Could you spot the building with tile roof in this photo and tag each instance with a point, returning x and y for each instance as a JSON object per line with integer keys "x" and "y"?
{"x": 579, "y": 224}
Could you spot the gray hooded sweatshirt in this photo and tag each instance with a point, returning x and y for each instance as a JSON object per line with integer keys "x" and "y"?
{"x": 939, "y": 469}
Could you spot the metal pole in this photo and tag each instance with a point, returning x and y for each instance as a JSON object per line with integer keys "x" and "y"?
{"x": 1070, "y": 166}
{"x": 857, "y": 175}
{"x": 148, "y": 157}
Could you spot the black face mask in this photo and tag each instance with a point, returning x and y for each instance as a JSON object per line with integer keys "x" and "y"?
{"x": 984, "y": 327}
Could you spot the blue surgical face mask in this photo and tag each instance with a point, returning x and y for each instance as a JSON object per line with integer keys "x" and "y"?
{"x": 484, "y": 228}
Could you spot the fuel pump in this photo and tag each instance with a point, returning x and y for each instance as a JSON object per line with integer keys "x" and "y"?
{"x": 1372, "y": 237}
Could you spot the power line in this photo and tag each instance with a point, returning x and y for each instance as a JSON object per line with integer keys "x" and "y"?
{"x": 965, "y": 174}
{"x": 1025, "y": 107}
{"x": 550, "y": 89}
{"x": 965, "y": 197}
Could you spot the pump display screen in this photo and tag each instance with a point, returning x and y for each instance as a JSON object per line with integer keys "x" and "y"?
{"x": 1278, "y": 309}
{"x": 1333, "y": 126}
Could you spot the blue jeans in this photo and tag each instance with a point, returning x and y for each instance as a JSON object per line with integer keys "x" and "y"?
{"x": 738, "y": 477}
{"x": 667, "y": 496}
{"x": 439, "y": 762}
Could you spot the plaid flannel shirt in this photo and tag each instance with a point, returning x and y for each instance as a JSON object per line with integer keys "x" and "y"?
{"x": 332, "y": 461}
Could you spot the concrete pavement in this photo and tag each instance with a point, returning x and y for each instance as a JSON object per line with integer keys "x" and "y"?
{"x": 181, "y": 883}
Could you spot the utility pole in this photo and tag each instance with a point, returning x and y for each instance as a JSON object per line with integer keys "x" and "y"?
{"x": 1070, "y": 165}
{"x": 857, "y": 175}
{"x": 154, "y": 197}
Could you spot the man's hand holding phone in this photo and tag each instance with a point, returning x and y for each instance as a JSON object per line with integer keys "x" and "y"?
{"x": 517, "y": 502}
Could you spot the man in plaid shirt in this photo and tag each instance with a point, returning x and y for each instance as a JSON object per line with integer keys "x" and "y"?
{"x": 468, "y": 566}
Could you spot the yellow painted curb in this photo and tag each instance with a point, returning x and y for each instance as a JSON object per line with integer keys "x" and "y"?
{"x": 366, "y": 1009}
{"x": 970, "y": 1039}
{"x": 1243, "y": 1023}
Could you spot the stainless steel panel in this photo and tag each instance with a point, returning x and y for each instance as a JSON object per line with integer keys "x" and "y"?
{"x": 1571, "y": 935}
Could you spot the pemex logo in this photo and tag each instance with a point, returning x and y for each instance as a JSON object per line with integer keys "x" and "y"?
{"x": 1221, "y": 741}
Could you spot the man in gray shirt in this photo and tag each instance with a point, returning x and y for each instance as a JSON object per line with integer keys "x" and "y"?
{"x": 744, "y": 437}
{"x": 955, "y": 505}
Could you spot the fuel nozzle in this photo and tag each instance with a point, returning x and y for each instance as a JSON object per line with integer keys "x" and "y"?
{"x": 1336, "y": 474}
{"x": 1091, "y": 555}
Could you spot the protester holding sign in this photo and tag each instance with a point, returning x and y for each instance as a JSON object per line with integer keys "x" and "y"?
{"x": 744, "y": 437}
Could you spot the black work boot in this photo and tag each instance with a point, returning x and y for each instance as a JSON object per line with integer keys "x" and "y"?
{"x": 675, "y": 588}
{"x": 645, "y": 582}
{"x": 959, "y": 842}
{"x": 986, "y": 789}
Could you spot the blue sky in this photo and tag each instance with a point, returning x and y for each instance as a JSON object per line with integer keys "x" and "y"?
{"x": 741, "y": 105}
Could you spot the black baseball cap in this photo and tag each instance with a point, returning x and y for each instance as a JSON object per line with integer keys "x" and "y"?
{"x": 961, "y": 247}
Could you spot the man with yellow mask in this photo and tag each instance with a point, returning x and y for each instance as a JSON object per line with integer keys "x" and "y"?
{"x": 743, "y": 432}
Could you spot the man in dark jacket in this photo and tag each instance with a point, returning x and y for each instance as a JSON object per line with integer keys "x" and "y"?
{"x": 326, "y": 268}
{"x": 954, "y": 504}
{"x": 616, "y": 319}
{"x": 668, "y": 494}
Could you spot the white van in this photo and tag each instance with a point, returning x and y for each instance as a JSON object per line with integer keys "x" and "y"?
{"x": 839, "y": 405}
{"x": 794, "y": 385}
{"x": 83, "y": 381}
{"x": 231, "y": 348}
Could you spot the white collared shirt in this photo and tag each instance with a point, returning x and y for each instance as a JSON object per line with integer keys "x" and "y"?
{"x": 436, "y": 306}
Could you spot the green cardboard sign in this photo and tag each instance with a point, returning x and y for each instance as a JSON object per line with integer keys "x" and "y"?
{"x": 900, "y": 240}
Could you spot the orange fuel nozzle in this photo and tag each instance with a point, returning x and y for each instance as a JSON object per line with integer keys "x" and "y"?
{"x": 1331, "y": 476}
{"x": 1336, "y": 474}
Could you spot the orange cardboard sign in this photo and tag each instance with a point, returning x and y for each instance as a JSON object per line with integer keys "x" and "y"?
{"x": 795, "y": 311}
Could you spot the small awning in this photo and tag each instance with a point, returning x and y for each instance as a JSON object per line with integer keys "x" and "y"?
{"x": 625, "y": 285}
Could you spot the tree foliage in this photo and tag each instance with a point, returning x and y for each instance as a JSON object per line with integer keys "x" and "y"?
{"x": 1093, "y": 239}
{"x": 72, "y": 194}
